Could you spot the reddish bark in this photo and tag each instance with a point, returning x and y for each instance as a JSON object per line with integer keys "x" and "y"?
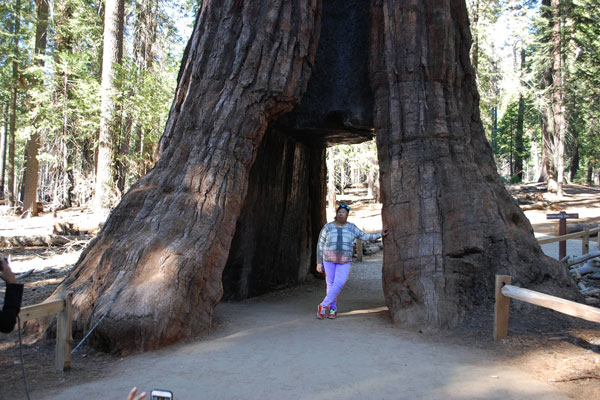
{"x": 453, "y": 224}
{"x": 164, "y": 247}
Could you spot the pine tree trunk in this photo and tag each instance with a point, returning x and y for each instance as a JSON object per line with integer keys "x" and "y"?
{"x": 112, "y": 53}
{"x": 519, "y": 131}
{"x": 475, "y": 47}
{"x": 33, "y": 145}
{"x": 453, "y": 225}
{"x": 13, "y": 108}
{"x": 4, "y": 147}
{"x": 163, "y": 249}
{"x": 558, "y": 102}
{"x": 519, "y": 145}
{"x": 331, "y": 202}
{"x": 574, "y": 165}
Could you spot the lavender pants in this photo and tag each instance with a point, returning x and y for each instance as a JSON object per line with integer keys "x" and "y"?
{"x": 335, "y": 276}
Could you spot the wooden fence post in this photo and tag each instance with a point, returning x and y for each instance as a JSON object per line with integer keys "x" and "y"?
{"x": 585, "y": 242}
{"x": 359, "y": 250}
{"x": 501, "y": 308}
{"x": 64, "y": 337}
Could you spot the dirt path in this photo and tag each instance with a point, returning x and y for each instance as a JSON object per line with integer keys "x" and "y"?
{"x": 273, "y": 347}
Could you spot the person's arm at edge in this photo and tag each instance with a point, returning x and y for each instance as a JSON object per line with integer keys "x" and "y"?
{"x": 12, "y": 299}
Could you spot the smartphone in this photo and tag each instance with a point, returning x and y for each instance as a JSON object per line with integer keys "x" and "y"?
{"x": 159, "y": 394}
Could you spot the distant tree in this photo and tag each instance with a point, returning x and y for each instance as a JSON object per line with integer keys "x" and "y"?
{"x": 33, "y": 145}
{"x": 13, "y": 104}
{"x": 114, "y": 25}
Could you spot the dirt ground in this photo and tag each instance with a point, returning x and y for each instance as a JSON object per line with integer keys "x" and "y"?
{"x": 545, "y": 355}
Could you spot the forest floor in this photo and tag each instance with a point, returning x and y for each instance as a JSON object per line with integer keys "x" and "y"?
{"x": 273, "y": 347}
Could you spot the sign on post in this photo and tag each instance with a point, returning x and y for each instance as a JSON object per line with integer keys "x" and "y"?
{"x": 562, "y": 215}
{"x": 562, "y": 230}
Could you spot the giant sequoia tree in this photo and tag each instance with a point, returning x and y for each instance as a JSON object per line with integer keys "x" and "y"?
{"x": 237, "y": 195}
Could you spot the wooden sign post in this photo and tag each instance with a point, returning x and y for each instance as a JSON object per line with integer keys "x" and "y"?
{"x": 562, "y": 230}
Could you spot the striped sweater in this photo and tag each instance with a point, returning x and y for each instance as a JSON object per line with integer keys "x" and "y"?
{"x": 336, "y": 243}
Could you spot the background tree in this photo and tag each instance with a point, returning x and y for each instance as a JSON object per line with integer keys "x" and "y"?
{"x": 114, "y": 27}
{"x": 16, "y": 31}
{"x": 33, "y": 144}
{"x": 60, "y": 100}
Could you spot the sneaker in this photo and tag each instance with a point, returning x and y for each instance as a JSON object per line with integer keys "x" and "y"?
{"x": 332, "y": 314}
{"x": 321, "y": 312}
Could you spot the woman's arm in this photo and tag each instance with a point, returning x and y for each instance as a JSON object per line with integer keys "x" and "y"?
{"x": 321, "y": 244}
{"x": 370, "y": 236}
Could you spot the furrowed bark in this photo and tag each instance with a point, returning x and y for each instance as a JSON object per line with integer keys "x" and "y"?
{"x": 453, "y": 225}
{"x": 164, "y": 247}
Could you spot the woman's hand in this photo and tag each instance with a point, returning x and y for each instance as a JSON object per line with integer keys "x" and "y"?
{"x": 385, "y": 232}
{"x": 320, "y": 268}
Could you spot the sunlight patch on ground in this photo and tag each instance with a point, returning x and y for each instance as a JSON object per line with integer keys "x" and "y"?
{"x": 362, "y": 312}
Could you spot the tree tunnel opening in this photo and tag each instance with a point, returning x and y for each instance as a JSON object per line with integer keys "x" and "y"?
{"x": 285, "y": 207}
{"x": 292, "y": 193}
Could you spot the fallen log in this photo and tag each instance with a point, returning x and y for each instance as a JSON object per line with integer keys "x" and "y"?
{"x": 583, "y": 258}
{"x": 7, "y": 242}
{"x": 535, "y": 206}
{"x": 590, "y": 292}
{"x": 586, "y": 269}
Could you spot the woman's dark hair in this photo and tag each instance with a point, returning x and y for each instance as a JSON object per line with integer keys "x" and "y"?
{"x": 345, "y": 207}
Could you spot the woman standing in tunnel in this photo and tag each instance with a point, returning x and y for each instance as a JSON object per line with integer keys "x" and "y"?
{"x": 334, "y": 256}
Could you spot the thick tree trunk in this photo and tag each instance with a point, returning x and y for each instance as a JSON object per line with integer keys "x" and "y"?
{"x": 112, "y": 53}
{"x": 548, "y": 174}
{"x": 163, "y": 249}
{"x": 33, "y": 145}
{"x": 161, "y": 255}
{"x": 453, "y": 224}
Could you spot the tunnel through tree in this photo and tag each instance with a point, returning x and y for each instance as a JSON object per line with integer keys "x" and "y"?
{"x": 239, "y": 186}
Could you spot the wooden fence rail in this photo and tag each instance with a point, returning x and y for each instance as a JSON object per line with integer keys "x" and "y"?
{"x": 64, "y": 337}
{"x": 505, "y": 291}
{"x": 585, "y": 242}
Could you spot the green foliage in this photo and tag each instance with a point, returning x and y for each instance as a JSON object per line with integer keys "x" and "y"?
{"x": 504, "y": 29}
{"x": 358, "y": 161}
{"x": 59, "y": 97}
